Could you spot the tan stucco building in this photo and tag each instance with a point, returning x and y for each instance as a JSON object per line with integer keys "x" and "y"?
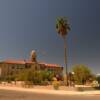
{"x": 14, "y": 67}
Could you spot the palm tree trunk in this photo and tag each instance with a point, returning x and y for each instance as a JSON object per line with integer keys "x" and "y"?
{"x": 65, "y": 71}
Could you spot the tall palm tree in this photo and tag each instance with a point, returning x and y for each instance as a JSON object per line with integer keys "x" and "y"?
{"x": 63, "y": 28}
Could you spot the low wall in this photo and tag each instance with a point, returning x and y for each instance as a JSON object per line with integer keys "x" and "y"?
{"x": 84, "y": 88}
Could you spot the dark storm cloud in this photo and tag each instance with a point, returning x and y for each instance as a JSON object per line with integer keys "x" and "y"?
{"x": 30, "y": 24}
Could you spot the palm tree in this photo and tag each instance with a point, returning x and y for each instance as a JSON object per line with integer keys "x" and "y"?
{"x": 63, "y": 28}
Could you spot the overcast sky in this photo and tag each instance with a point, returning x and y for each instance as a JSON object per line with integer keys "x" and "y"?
{"x": 27, "y": 25}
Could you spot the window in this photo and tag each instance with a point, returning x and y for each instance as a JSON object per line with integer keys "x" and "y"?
{"x": 13, "y": 67}
{"x": 27, "y": 66}
{"x": 17, "y": 66}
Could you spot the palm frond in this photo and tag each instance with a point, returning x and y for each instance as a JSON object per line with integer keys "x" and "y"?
{"x": 62, "y": 26}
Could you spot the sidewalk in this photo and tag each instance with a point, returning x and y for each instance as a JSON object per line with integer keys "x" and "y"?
{"x": 48, "y": 91}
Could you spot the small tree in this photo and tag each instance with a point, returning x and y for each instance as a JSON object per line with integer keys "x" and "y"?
{"x": 81, "y": 74}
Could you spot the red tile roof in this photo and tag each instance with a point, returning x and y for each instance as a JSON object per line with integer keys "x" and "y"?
{"x": 29, "y": 62}
{"x": 17, "y": 61}
{"x": 52, "y": 65}
{"x": 12, "y": 61}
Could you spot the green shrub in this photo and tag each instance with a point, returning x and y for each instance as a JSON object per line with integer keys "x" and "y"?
{"x": 55, "y": 84}
{"x": 36, "y": 77}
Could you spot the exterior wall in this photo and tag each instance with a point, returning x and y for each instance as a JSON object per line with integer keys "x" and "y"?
{"x": 35, "y": 66}
{"x": 56, "y": 70}
{"x": 4, "y": 69}
{"x": 12, "y": 69}
{"x": 15, "y": 68}
{"x": 7, "y": 69}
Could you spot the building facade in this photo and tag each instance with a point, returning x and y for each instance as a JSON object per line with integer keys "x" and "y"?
{"x": 14, "y": 67}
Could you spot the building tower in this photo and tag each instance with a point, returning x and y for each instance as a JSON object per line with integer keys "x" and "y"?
{"x": 33, "y": 56}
